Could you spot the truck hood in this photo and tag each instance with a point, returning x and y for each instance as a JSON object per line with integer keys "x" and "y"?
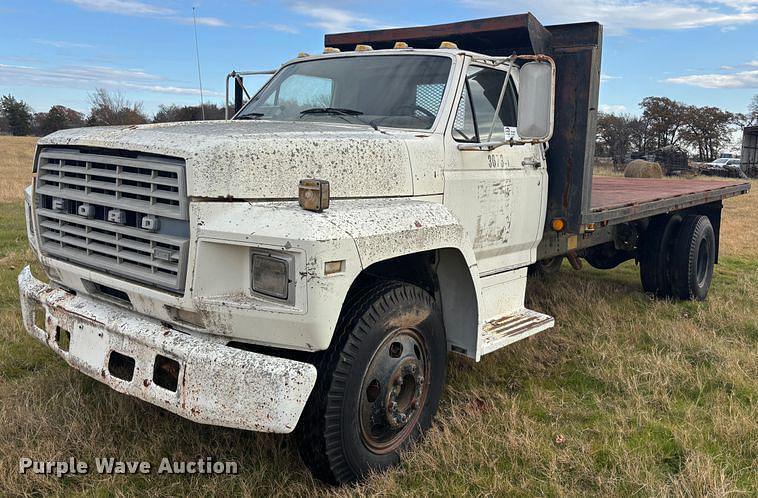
{"x": 266, "y": 159}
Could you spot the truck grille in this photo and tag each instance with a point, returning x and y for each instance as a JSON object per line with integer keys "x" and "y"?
{"x": 125, "y": 216}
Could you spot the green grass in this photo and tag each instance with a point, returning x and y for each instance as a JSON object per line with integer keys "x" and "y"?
{"x": 627, "y": 395}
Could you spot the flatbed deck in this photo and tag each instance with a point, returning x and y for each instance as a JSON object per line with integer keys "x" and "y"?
{"x": 618, "y": 200}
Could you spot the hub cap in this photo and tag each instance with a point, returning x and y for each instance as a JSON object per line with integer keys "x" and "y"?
{"x": 394, "y": 390}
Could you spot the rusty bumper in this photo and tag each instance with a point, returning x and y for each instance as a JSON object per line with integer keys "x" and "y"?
{"x": 198, "y": 378}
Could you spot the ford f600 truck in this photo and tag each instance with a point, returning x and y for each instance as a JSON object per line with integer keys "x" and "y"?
{"x": 309, "y": 264}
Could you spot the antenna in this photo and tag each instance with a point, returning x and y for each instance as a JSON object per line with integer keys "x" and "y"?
{"x": 197, "y": 56}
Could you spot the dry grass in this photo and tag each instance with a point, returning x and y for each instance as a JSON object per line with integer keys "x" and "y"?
{"x": 16, "y": 157}
{"x": 627, "y": 395}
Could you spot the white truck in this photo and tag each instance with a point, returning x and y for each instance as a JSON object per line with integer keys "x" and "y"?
{"x": 309, "y": 264}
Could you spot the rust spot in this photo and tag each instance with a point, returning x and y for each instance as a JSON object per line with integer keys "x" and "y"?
{"x": 146, "y": 382}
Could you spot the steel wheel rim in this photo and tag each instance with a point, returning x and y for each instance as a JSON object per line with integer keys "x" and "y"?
{"x": 389, "y": 409}
{"x": 703, "y": 257}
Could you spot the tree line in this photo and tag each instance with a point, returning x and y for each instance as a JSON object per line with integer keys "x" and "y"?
{"x": 664, "y": 122}
{"x": 106, "y": 108}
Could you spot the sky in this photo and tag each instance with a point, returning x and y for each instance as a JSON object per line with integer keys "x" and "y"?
{"x": 702, "y": 52}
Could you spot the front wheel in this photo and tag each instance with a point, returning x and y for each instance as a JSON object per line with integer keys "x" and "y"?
{"x": 378, "y": 385}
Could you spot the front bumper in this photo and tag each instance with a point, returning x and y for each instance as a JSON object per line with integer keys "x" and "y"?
{"x": 214, "y": 383}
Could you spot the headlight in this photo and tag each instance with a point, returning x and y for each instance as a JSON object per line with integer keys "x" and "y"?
{"x": 271, "y": 275}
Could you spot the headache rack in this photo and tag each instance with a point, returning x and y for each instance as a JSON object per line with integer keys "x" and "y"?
{"x": 123, "y": 216}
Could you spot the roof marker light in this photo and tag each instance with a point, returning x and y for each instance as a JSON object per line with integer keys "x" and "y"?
{"x": 303, "y": 54}
{"x": 448, "y": 44}
{"x": 363, "y": 48}
{"x": 331, "y": 50}
{"x": 400, "y": 45}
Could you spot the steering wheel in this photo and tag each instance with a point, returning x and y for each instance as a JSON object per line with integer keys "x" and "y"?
{"x": 414, "y": 108}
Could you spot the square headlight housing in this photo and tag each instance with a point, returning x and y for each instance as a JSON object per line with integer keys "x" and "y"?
{"x": 271, "y": 275}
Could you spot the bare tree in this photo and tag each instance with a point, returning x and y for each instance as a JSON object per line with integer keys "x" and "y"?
{"x": 114, "y": 109}
{"x": 752, "y": 111}
{"x": 172, "y": 113}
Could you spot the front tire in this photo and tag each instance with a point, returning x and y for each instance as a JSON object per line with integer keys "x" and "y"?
{"x": 378, "y": 385}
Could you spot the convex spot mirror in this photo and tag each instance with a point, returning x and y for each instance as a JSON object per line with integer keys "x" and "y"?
{"x": 536, "y": 101}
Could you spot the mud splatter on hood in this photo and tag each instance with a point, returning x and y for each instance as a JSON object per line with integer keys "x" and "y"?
{"x": 265, "y": 159}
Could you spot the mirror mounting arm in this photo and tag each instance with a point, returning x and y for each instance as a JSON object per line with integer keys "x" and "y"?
{"x": 507, "y": 81}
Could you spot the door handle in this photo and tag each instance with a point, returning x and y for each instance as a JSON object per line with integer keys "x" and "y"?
{"x": 531, "y": 162}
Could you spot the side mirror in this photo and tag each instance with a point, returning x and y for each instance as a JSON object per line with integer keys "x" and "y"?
{"x": 536, "y": 101}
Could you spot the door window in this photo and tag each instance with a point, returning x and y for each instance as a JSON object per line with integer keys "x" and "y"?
{"x": 473, "y": 118}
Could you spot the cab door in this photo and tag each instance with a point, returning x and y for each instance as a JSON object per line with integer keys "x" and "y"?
{"x": 498, "y": 195}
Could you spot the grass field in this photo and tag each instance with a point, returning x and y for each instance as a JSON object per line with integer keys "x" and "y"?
{"x": 626, "y": 395}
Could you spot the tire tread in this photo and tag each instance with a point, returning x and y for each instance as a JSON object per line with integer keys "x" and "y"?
{"x": 318, "y": 432}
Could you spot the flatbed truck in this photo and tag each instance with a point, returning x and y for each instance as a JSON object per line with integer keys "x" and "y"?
{"x": 309, "y": 264}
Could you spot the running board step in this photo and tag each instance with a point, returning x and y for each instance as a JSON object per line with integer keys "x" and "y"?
{"x": 507, "y": 329}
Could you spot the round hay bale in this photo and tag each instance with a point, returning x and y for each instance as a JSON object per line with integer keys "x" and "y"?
{"x": 640, "y": 168}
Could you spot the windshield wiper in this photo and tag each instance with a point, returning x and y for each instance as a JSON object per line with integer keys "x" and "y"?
{"x": 339, "y": 111}
{"x": 331, "y": 110}
{"x": 251, "y": 115}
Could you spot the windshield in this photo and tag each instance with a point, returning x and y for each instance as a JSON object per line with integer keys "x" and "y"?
{"x": 399, "y": 91}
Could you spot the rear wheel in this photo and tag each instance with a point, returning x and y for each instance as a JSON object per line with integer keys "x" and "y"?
{"x": 655, "y": 255}
{"x": 378, "y": 386}
{"x": 695, "y": 254}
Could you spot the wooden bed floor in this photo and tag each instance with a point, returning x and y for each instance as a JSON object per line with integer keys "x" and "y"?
{"x": 610, "y": 192}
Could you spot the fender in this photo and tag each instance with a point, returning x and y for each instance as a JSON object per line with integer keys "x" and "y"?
{"x": 386, "y": 228}
{"x": 359, "y": 231}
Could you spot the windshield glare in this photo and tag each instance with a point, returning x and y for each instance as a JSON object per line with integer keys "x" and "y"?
{"x": 398, "y": 91}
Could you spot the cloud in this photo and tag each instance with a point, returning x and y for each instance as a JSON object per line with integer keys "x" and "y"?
{"x": 612, "y": 108}
{"x": 604, "y": 78}
{"x": 619, "y": 16}
{"x": 91, "y": 77}
{"x": 282, "y": 28}
{"x": 334, "y": 20}
{"x": 61, "y": 43}
{"x": 123, "y": 7}
{"x": 213, "y": 22}
{"x": 740, "y": 79}
{"x": 136, "y": 8}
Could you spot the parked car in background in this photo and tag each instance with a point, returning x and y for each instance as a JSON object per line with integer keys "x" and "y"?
{"x": 724, "y": 166}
